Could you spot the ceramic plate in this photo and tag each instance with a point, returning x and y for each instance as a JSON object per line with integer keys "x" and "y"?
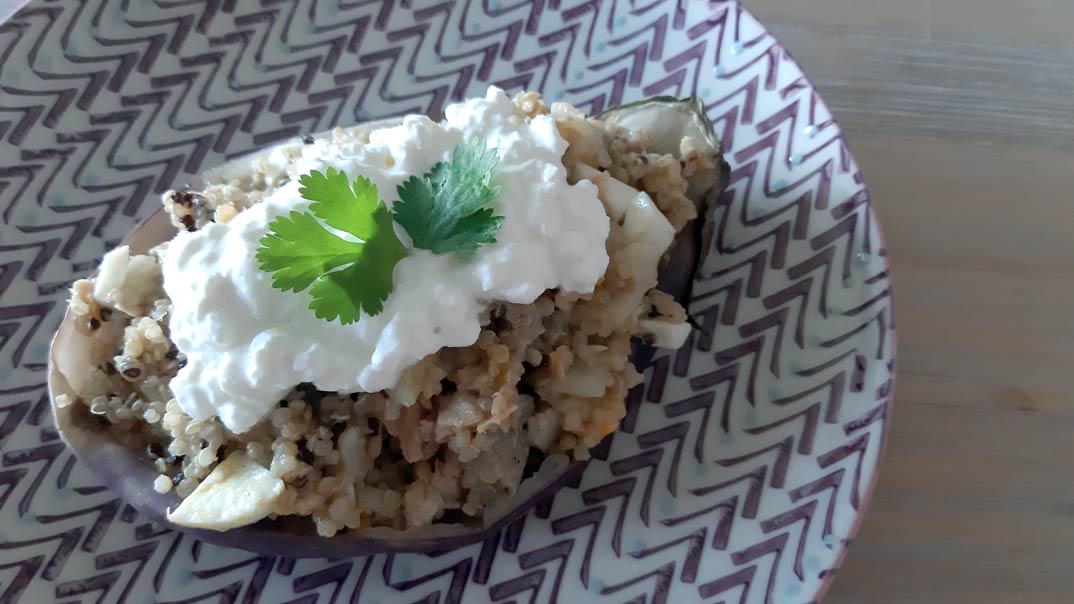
{"x": 745, "y": 462}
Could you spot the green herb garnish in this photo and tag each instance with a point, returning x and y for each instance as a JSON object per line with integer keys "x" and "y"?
{"x": 347, "y": 277}
{"x": 445, "y": 210}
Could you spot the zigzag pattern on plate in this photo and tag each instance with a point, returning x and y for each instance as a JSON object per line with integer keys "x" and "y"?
{"x": 745, "y": 459}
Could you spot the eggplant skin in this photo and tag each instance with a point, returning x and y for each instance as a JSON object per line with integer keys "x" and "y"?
{"x": 131, "y": 476}
{"x": 695, "y": 239}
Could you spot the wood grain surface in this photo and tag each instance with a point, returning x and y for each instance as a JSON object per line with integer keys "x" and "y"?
{"x": 961, "y": 115}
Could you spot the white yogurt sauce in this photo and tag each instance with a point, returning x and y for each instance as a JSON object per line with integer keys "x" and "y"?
{"x": 248, "y": 344}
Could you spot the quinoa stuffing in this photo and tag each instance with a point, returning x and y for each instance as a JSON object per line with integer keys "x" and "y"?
{"x": 460, "y": 430}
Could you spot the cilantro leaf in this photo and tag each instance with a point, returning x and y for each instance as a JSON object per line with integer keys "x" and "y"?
{"x": 444, "y": 210}
{"x": 344, "y": 292}
{"x": 342, "y": 205}
{"x": 345, "y": 277}
{"x": 297, "y": 250}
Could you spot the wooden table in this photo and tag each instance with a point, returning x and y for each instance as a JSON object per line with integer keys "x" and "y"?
{"x": 961, "y": 114}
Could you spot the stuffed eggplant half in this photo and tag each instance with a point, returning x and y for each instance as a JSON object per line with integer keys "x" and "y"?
{"x": 391, "y": 337}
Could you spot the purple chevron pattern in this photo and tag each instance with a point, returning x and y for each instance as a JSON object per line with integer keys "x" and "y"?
{"x": 745, "y": 461}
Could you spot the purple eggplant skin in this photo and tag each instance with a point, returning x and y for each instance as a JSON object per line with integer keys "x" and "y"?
{"x": 131, "y": 476}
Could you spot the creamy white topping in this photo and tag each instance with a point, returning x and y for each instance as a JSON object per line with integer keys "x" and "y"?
{"x": 248, "y": 344}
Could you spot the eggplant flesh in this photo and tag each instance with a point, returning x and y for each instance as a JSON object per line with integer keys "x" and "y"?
{"x": 128, "y": 473}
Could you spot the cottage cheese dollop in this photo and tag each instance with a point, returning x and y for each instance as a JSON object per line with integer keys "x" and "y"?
{"x": 248, "y": 344}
